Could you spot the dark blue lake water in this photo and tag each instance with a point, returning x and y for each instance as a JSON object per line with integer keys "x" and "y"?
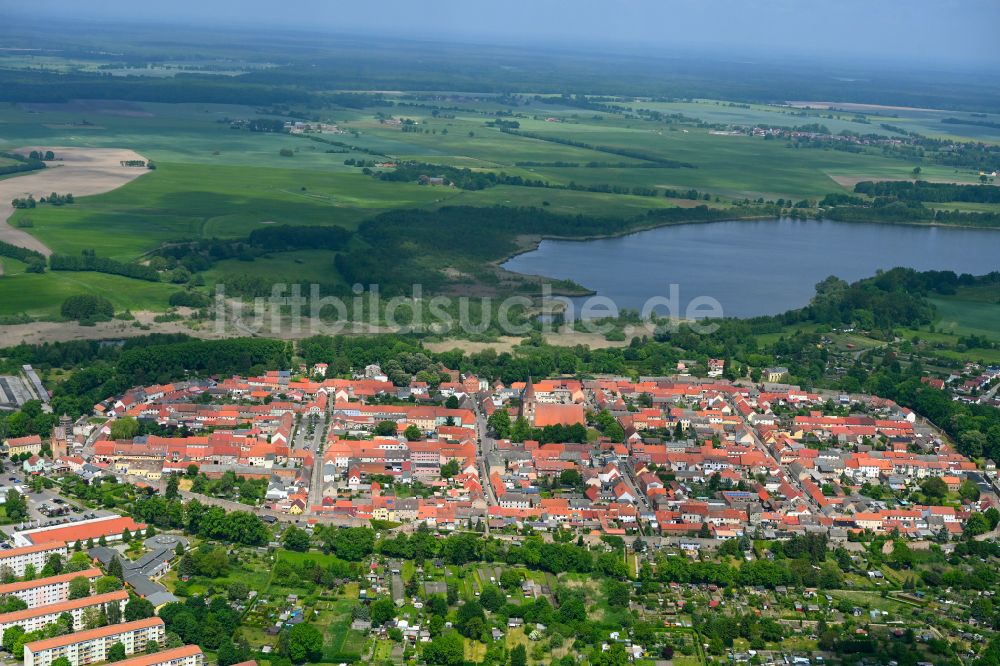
{"x": 754, "y": 267}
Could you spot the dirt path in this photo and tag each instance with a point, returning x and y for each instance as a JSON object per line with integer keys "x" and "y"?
{"x": 76, "y": 171}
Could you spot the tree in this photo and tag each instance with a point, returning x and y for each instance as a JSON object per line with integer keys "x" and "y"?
{"x": 61, "y": 661}
{"x": 115, "y": 568}
{"x": 296, "y": 539}
{"x": 617, "y": 593}
{"x": 385, "y": 429}
{"x": 570, "y": 478}
{"x": 172, "y": 491}
{"x": 113, "y": 613}
{"x": 934, "y": 487}
{"x": 519, "y": 656}
{"x": 353, "y": 543}
{"x": 106, "y": 584}
{"x": 93, "y": 618}
{"x": 521, "y": 430}
{"x": 79, "y": 587}
{"x": 303, "y": 643}
{"x": 992, "y": 517}
{"x": 87, "y": 308}
{"x": 53, "y": 565}
{"x": 138, "y": 608}
{"x": 451, "y": 402}
{"x": 448, "y": 649}
{"x": 510, "y": 579}
{"x": 704, "y": 532}
{"x": 976, "y": 524}
{"x": 968, "y": 491}
{"x": 10, "y": 603}
{"x": 11, "y": 636}
{"x": 382, "y": 611}
{"x": 471, "y": 619}
{"x": 124, "y": 428}
{"x": 449, "y": 469}
{"x": 226, "y": 655}
{"x": 238, "y": 591}
{"x": 499, "y": 422}
{"x": 492, "y": 598}
{"x": 116, "y": 652}
{"x": 16, "y": 506}
{"x": 412, "y": 433}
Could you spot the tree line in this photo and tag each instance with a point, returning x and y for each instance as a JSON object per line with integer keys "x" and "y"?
{"x": 21, "y": 163}
{"x": 88, "y": 261}
{"x": 623, "y": 152}
{"x": 921, "y": 190}
{"x": 291, "y": 237}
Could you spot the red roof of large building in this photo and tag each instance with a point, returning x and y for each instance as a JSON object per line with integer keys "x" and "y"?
{"x": 84, "y": 531}
{"x": 554, "y": 414}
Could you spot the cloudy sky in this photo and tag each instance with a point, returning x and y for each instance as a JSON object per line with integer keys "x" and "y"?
{"x": 908, "y": 30}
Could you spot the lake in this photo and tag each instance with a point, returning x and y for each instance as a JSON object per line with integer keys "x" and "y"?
{"x": 753, "y": 267}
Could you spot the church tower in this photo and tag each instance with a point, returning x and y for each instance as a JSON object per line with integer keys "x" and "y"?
{"x": 528, "y": 402}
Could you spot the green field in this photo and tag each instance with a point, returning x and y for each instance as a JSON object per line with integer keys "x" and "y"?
{"x": 191, "y": 201}
{"x": 964, "y": 317}
{"x": 42, "y": 295}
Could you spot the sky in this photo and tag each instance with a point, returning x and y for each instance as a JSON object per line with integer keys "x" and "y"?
{"x": 955, "y": 31}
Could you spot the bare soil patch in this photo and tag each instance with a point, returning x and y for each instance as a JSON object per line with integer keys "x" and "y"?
{"x": 63, "y": 331}
{"x": 76, "y": 171}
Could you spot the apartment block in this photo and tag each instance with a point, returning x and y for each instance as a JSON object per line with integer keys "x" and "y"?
{"x": 32, "y": 619}
{"x": 19, "y": 558}
{"x": 45, "y": 591}
{"x": 89, "y": 647}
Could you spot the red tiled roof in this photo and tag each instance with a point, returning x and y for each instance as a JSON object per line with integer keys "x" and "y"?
{"x": 164, "y": 656}
{"x": 64, "y": 606}
{"x": 100, "y": 632}
{"x": 20, "y": 586}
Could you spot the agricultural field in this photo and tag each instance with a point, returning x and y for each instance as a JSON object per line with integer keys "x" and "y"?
{"x": 968, "y": 317}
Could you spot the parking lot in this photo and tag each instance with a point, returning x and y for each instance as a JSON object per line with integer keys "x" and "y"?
{"x": 48, "y": 508}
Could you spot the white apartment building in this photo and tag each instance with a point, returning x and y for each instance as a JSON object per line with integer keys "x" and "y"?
{"x": 19, "y": 558}
{"x": 89, "y": 647}
{"x": 45, "y": 591}
{"x": 32, "y": 619}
